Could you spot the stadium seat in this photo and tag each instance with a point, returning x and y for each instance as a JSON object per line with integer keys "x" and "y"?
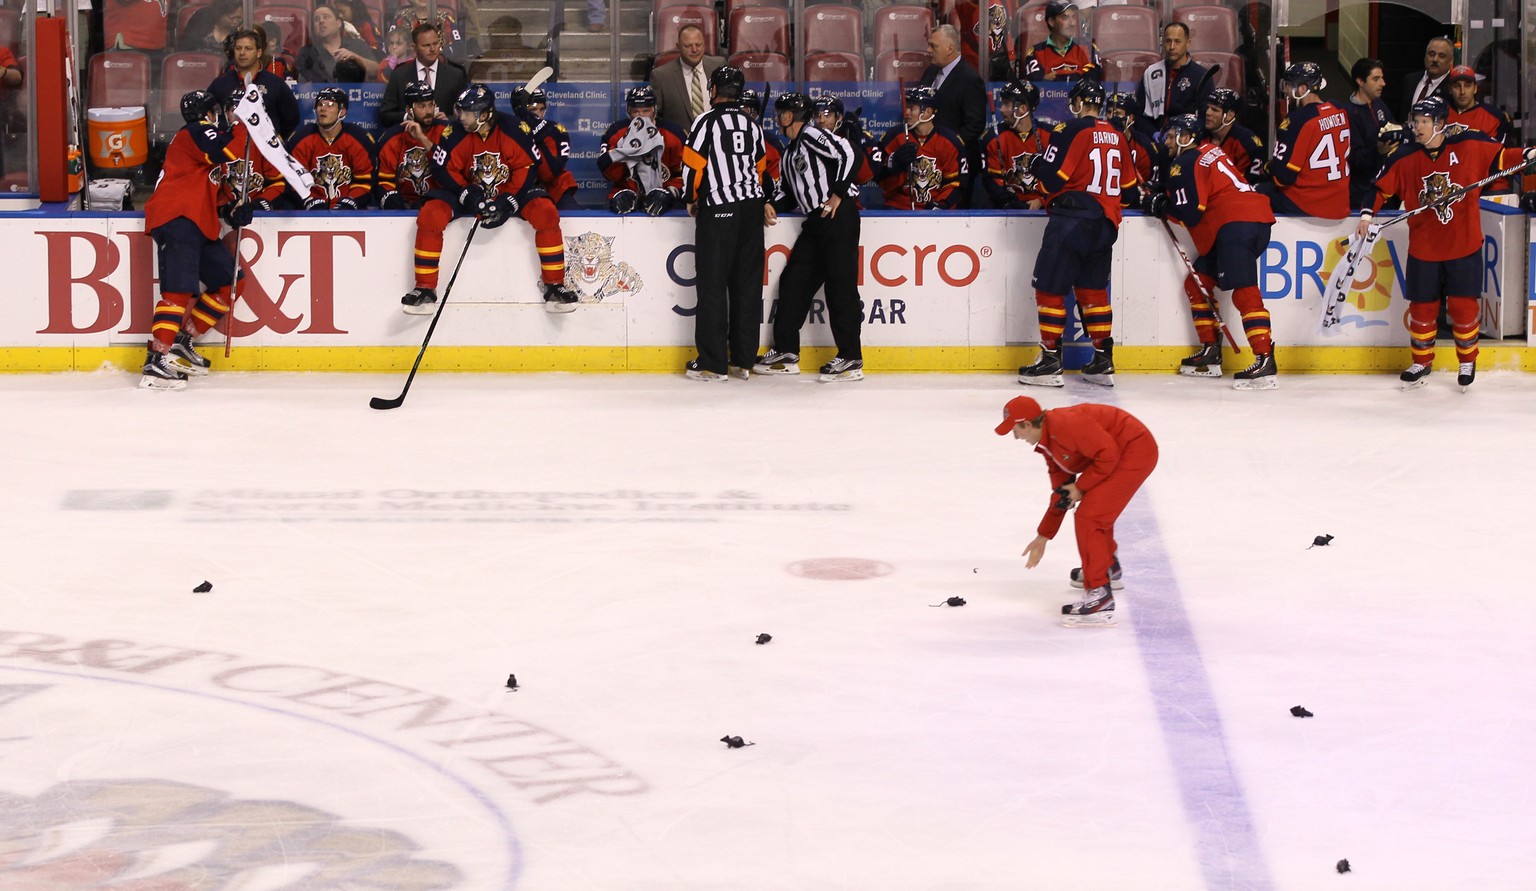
{"x": 1231, "y": 74}
{"x": 733, "y": 5}
{"x": 834, "y": 67}
{"x": 1212, "y": 29}
{"x": 759, "y": 67}
{"x": 293, "y": 19}
{"x": 1029, "y": 26}
{"x": 758, "y": 29}
{"x": 1128, "y": 66}
{"x": 184, "y": 15}
{"x": 670, "y": 20}
{"x": 181, "y": 73}
{"x": 118, "y": 78}
{"x": 831, "y": 28}
{"x": 894, "y": 67}
{"x": 662, "y": 59}
{"x": 902, "y": 29}
{"x": 1116, "y": 28}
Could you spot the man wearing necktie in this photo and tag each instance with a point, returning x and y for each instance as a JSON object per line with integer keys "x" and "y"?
{"x": 962, "y": 100}
{"x": 446, "y": 77}
{"x": 1421, "y": 85}
{"x": 682, "y": 85}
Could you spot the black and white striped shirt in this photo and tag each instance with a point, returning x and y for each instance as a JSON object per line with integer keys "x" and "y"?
{"x": 724, "y": 160}
{"x": 817, "y": 165}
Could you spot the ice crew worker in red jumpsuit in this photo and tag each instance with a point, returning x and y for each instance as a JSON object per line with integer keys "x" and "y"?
{"x": 1098, "y": 456}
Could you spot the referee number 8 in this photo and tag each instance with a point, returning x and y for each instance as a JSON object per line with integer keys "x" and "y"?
{"x": 738, "y": 142}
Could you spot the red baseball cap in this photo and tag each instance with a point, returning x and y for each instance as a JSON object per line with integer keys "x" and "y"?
{"x": 1462, "y": 72}
{"x": 1019, "y": 408}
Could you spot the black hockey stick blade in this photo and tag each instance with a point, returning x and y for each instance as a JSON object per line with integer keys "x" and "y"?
{"x": 382, "y": 404}
{"x": 387, "y": 404}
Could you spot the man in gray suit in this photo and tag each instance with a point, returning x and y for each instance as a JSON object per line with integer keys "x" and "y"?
{"x": 682, "y": 85}
{"x": 445, "y": 77}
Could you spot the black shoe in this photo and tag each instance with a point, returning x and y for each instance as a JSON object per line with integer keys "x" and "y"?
{"x": 419, "y": 302}
{"x": 1101, "y": 369}
{"x": 1258, "y": 376}
{"x": 559, "y": 298}
{"x": 1046, "y": 372}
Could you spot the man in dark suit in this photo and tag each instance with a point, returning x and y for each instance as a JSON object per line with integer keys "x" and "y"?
{"x": 682, "y": 85}
{"x": 1421, "y": 85}
{"x": 962, "y": 99}
{"x": 446, "y": 78}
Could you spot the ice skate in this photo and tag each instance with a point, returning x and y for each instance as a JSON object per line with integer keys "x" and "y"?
{"x": 1076, "y": 578}
{"x": 1095, "y": 610}
{"x": 184, "y": 358}
{"x": 419, "y": 302}
{"x": 740, "y": 373}
{"x": 559, "y": 298}
{"x": 842, "y": 370}
{"x": 1261, "y": 375}
{"x": 1046, "y": 372}
{"x": 695, "y": 372}
{"x": 775, "y": 362}
{"x": 1205, "y": 363}
{"x": 1100, "y": 371}
{"x": 1466, "y": 373}
{"x": 1413, "y": 377}
{"x": 159, "y": 374}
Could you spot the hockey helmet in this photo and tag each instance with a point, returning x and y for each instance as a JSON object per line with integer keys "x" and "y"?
{"x": 1305, "y": 74}
{"x": 641, "y": 97}
{"x": 750, "y": 96}
{"x": 234, "y": 98}
{"x": 1226, "y": 100}
{"x": 728, "y": 81}
{"x": 797, "y": 104}
{"x": 830, "y": 105}
{"x": 1086, "y": 92}
{"x": 1432, "y": 107}
{"x": 333, "y": 94}
{"x": 476, "y": 97}
{"x": 923, "y": 97}
{"x": 198, "y": 106}
{"x": 1184, "y": 125}
{"x": 417, "y": 91}
{"x": 538, "y": 97}
{"x": 1020, "y": 91}
{"x": 521, "y": 99}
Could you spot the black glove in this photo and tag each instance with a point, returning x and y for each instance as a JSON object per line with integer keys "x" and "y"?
{"x": 658, "y": 202}
{"x": 1528, "y": 202}
{"x": 1155, "y": 205}
{"x": 347, "y": 204}
{"x": 263, "y": 204}
{"x": 470, "y": 198}
{"x": 902, "y": 158}
{"x": 392, "y": 201}
{"x": 239, "y": 215}
{"x": 317, "y": 204}
{"x": 625, "y": 201}
{"x": 498, "y": 211}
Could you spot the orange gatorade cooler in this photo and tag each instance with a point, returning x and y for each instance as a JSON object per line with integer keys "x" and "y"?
{"x": 119, "y": 137}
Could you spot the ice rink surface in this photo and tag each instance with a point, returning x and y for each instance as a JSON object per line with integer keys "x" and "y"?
{"x": 333, "y": 713}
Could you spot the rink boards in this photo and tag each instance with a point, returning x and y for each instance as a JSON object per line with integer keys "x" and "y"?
{"x": 942, "y": 292}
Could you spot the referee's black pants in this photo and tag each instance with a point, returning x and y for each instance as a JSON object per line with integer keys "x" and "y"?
{"x": 728, "y": 258}
{"x": 825, "y": 254}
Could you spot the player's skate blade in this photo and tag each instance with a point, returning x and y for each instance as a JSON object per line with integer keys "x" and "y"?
{"x": 1414, "y": 376}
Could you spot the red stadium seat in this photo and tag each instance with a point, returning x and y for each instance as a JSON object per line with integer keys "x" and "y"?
{"x": 1029, "y": 22}
{"x": 830, "y": 28}
{"x": 834, "y": 67}
{"x": 10, "y": 29}
{"x": 894, "y": 67}
{"x": 1212, "y": 29}
{"x": 1231, "y": 74}
{"x": 663, "y": 58}
{"x": 758, "y": 29}
{"x": 181, "y": 73}
{"x": 293, "y": 19}
{"x": 1116, "y": 28}
{"x": 118, "y": 78}
{"x": 733, "y": 5}
{"x": 670, "y": 20}
{"x": 184, "y": 15}
{"x": 1128, "y": 67}
{"x": 759, "y": 67}
{"x": 902, "y": 29}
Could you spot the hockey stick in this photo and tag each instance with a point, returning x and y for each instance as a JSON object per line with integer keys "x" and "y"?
{"x": 234, "y": 281}
{"x": 538, "y": 79}
{"x": 1215, "y": 307}
{"x": 387, "y": 404}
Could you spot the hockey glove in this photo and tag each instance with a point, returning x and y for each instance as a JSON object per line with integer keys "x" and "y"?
{"x": 1528, "y": 202}
{"x": 317, "y": 204}
{"x": 347, "y": 204}
{"x": 263, "y": 204}
{"x": 470, "y": 198}
{"x": 392, "y": 201}
{"x": 902, "y": 158}
{"x": 1530, "y": 156}
{"x": 239, "y": 215}
{"x": 658, "y": 202}
{"x": 625, "y": 201}
{"x": 1155, "y": 205}
{"x": 499, "y": 211}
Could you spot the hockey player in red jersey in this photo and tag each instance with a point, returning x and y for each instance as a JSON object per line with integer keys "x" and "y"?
{"x": 338, "y": 154}
{"x": 1242, "y": 146}
{"x": 1087, "y": 171}
{"x": 1310, "y": 165}
{"x": 1445, "y": 243}
{"x": 1010, "y": 151}
{"x": 1467, "y": 113}
{"x": 182, "y": 216}
{"x": 924, "y": 163}
{"x": 642, "y": 157}
{"x": 1097, "y": 456}
{"x": 484, "y": 166}
{"x": 405, "y": 151}
{"x": 1062, "y": 55}
{"x": 1145, "y": 157}
{"x": 1230, "y": 223}
{"x": 773, "y": 145}
{"x": 554, "y": 143}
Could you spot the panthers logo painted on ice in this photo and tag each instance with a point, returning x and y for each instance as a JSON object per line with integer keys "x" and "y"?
{"x": 332, "y": 174}
{"x": 488, "y": 172}
{"x": 924, "y": 179}
{"x": 1017, "y": 176}
{"x": 591, "y": 270}
{"x": 413, "y": 169}
{"x": 242, "y": 177}
{"x": 1437, "y": 188}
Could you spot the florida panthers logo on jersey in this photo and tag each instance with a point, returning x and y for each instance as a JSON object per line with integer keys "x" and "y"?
{"x": 591, "y": 270}
{"x": 924, "y": 179}
{"x": 1437, "y": 188}
{"x": 241, "y": 177}
{"x": 488, "y": 172}
{"x": 332, "y": 174}
{"x": 1017, "y": 175}
{"x": 413, "y": 169}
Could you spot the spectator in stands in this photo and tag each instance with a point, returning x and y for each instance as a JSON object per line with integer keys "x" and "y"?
{"x": 11, "y": 75}
{"x": 134, "y": 24}
{"x": 1176, "y": 85}
{"x": 597, "y": 15}
{"x": 397, "y": 48}
{"x": 208, "y": 27}
{"x": 962, "y": 100}
{"x": 446, "y": 78}
{"x": 1368, "y": 115}
{"x": 456, "y": 45}
{"x": 246, "y": 66}
{"x": 356, "y": 21}
{"x": 328, "y": 45}
{"x": 278, "y": 61}
{"x": 1431, "y": 81}
{"x": 1060, "y": 56}
{"x": 682, "y": 85}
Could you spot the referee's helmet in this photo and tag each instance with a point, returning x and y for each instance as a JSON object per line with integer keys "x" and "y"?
{"x": 728, "y": 82}
{"x": 797, "y": 104}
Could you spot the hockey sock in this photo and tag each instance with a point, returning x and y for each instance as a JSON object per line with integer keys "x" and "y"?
{"x": 1097, "y": 317}
{"x": 169, "y": 314}
{"x": 210, "y": 308}
{"x": 1052, "y": 309}
{"x": 1464, "y": 326}
{"x": 430, "y": 221}
{"x": 1423, "y": 321}
{"x": 1201, "y": 306}
{"x": 545, "y": 220}
{"x": 1250, "y": 303}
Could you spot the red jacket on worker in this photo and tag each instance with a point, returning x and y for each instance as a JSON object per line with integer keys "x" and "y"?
{"x": 1085, "y": 441}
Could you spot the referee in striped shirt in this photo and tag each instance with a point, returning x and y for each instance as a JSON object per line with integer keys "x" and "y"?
{"x": 816, "y": 178}
{"x": 724, "y": 165}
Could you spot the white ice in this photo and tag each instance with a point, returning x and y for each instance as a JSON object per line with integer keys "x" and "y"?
{"x": 332, "y": 714}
